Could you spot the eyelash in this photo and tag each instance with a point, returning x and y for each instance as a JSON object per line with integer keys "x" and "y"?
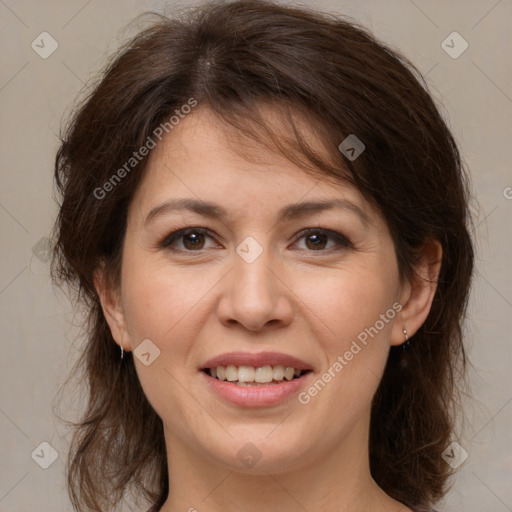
{"x": 342, "y": 241}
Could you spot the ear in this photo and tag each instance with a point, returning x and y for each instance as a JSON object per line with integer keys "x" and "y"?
{"x": 112, "y": 308}
{"x": 417, "y": 294}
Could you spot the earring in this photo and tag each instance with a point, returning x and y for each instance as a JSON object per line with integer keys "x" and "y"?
{"x": 122, "y": 350}
{"x": 406, "y": 342}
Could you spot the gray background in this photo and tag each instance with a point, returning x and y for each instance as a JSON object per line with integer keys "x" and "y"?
{"x": 39, "y": 343}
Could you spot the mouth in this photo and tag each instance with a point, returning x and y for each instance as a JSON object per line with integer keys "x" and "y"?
{"x": 239, "y": 386}
{"x": 262, "y": 379}
{"x": 250, "y": 376}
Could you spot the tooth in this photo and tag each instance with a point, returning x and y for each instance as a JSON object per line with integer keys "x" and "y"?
{"x": 288, "y": 373}
{"x": 231, "y": 373}
{"x": 264, "y": 374}
{"x": 249, "y": 374}
{"x": 245, "y": 374}
{"x": 221, "y": 372}
{"x": 278, "y": 372}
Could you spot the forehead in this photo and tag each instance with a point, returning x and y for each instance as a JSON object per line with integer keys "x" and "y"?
{"x": 207, "y": 159}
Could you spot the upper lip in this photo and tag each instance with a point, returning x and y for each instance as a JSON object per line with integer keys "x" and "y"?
{"x": 256, "y": 360}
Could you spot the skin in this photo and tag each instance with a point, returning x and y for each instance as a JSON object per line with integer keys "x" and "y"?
{"x": 294, "y": 298}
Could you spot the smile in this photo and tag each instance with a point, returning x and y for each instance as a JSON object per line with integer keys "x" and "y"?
{"x": 251, "y": 376}
{"x": 252, "y": 393}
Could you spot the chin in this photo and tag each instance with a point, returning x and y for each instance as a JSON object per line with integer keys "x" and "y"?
{"x": 255, "y": 454}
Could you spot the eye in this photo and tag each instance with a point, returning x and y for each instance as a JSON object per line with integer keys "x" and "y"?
{"x": 316, "y": 239}
{"x": 192, "y": 238}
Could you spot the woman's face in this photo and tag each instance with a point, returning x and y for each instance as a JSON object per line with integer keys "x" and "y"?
{"x": 252, "y": 282}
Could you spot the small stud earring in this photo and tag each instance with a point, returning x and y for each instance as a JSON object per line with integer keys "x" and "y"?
{"x": 406, "y": 343}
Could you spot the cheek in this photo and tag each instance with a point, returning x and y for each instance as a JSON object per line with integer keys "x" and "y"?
{"x": 344, "y": 315}
{"x": 161, "y": 301}
{"x": 166, "y": 305}
{"x": 350, "y": 313}
{"x": 344, "y": 303}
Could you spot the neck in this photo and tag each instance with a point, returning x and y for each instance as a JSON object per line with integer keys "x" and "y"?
{"x": 331, "y": 480}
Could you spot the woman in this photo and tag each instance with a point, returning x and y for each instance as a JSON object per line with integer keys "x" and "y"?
{"x": 267, "y": 220}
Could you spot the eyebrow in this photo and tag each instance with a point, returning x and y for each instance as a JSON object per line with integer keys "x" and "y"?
{"x": 289, "y": 212}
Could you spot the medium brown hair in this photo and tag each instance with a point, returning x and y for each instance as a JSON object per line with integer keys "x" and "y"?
{"x": 234, "y": 57}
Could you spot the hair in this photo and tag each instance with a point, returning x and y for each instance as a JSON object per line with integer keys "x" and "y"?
{"x": 234, "y": 58}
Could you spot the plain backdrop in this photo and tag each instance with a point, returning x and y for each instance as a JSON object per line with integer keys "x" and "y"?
{"x": 38, "y": 340}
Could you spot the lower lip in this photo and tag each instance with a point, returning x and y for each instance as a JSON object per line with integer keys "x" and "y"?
{"x": 255, "y": 396}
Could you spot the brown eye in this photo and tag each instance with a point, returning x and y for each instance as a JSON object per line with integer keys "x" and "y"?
{"x": 318, "y": 239}
{"x": 193, "y": 239}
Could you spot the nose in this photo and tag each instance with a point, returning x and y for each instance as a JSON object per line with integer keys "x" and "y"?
{"x": 256, "y": 295}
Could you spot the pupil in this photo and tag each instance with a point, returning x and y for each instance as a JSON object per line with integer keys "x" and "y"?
{"x": 193, "y": 238}
{"x": 317, "y": 240}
